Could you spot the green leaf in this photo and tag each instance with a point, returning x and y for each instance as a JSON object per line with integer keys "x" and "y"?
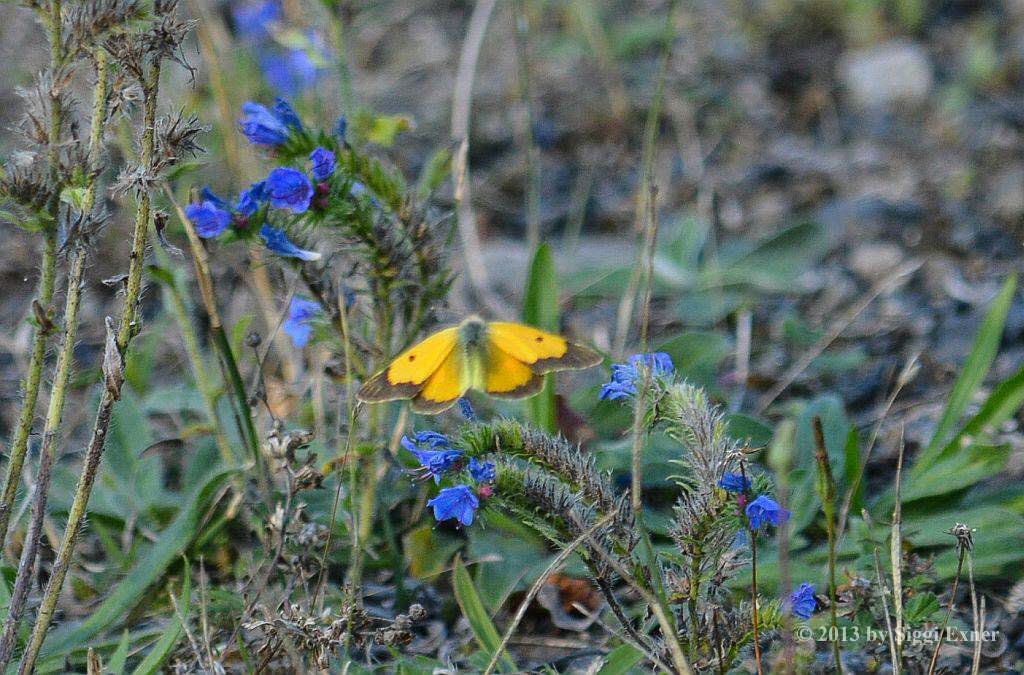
{"x": 804, "y": 502}
{"x": 120, "y": 655}
{"x": 921, "y": 607}
{"x": 620, "y": 661}
{"x": 851, "y": 451}
{"x": 540, "y": 309}
{"x": 986, "y": 344}
{"x": 170, "y": 544}
{"x": 162, "y": 649}
{"x": 434, "y": 172}
{"x": 73, "y": 196}
{"x": 472, "y": 608}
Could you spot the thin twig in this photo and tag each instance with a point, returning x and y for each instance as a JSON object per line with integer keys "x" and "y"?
{"x": 113, "y": 371}
{"x": 906, "y": 375}
{"x": 827, "y": 492}
{"x": 679, "y": 661}
{"x": 755, "y": 613}
{"x": 553, "y": 567}
{"x": 624, "y": 314}
{"x": 882, "y": 590}
{"x": 461, "y": 104}
{"x": 896, "y": 555}
{"x": 836, "y": 328}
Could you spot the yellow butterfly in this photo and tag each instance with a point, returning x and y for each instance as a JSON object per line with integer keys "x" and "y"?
{"x": 505, "y": 360}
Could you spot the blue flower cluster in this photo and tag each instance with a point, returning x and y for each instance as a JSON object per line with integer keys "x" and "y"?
{"x": 283, "y": 188}
{"x": 760, "y": 512}
{"x": 287, "y": 69}
{"x": 626, "y": 375}
{"x": 437, "y": 458}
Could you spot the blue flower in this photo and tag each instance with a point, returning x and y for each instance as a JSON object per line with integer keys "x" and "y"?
{"x": 261, "y": 126}
{"x": 290, "y": 71}
{"x": 208, "y": 219}
{"x": 625, "y": 375}
{"x": 466, "y": 409}
{"x": 734, "y": 482}
{"x": 341, "y": 127}
{"x": 250, "y": 200}
{"x": 802, "y": 602}
{"x": 457, "y": 502}
{"x": 439, "y": 460}
{"x": 323, "y": 164}
{"x": 278, "y": 242}
{"x": 297, "y": 326}
{"x": 208, "y": 195}
{"x": 482, "y": 472}
{"x": 765, "y": 510}
{"x": 284, "y": 111}
{"x": 253, "y": 20}
{"x": 289, "y": 189}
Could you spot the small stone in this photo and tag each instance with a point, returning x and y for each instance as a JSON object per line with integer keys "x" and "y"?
{"x": 881, "y": 75}
{"x": 873, "y": 260}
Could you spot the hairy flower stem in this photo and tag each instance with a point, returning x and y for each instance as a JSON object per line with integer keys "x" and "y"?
{"x": 126, "y": 330}
{"x": 827, "y": 492}
{"x": 19, "y": 445}
{"x": 949, "y": 609}
{"x": 48, "y": 272}
{"x": 753, "y": 583}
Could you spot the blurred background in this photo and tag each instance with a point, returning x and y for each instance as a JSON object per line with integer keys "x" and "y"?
{"x": 840, "y": 189}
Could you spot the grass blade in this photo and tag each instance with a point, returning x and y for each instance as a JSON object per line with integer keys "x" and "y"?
{"x": 172, "y": 542}
{"x": 620, "y": 661}
{"x": 120, "y": 655}
{"x": 473, "y": 609}
{"x": 162, "y": 649}
{"x": 540, "y": 309}
{"x": 986, "y": 344}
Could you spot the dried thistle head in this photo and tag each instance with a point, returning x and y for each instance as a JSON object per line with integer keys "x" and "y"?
{"x": 51, "y": 89}
{"x": 89, "y": 21}
{"x": 27, "y": 187}
{"x": 176, "y": 139}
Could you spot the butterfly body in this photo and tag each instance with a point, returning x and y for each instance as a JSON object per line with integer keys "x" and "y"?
{"x": 506, "y": 360}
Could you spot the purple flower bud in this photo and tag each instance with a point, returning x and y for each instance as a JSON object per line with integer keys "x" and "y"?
{"x": 323, "y": 164}
{"x": 802, "y": 602}
{"x": 277, "y": 241}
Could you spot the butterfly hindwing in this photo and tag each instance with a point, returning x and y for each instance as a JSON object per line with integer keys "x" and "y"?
{"x": 444, "y": 387}
{"x": 506, "y": 376}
